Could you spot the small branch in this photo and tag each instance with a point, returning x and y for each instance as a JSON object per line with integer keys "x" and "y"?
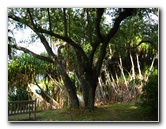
{"x": 65, "y": 22}
{"x": 89, "y": 29}
{"x": 49, "y": 19}
{"x": 46, "y": 96}
{"x": 143, "y": 41}
{"x": 31, "y": 18}
{"x": 56, "y": 82}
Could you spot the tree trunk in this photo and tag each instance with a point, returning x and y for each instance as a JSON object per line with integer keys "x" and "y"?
{"x": 71, "y": 92}
{"x": 84, "y": 86}
{"x": 88, "y": 81}
{"x": 91, "y": 99}
{"x": 70, "y": 87}
{"x": 92, "y": 81}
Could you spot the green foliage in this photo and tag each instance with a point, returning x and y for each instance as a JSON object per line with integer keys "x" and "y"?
{"x": 19, "y": 93}
{"x": 22, "y": 70}
{"x": 87, "y": 48}
{"x": 150, "y": 93}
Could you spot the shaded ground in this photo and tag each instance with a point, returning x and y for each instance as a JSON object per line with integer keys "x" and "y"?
{"x": 114, "y": 112}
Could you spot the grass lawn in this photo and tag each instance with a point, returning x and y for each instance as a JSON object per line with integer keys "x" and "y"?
{"x": 112, "y": 113}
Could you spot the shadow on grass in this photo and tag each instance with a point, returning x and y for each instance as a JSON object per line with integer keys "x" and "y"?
{"x": 112, "y": 113}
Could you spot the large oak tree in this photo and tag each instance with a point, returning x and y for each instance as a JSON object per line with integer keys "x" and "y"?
{"x": 76, "y": 27}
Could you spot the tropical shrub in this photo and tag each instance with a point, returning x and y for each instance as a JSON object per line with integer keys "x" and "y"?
{"x": 150, "y": 93}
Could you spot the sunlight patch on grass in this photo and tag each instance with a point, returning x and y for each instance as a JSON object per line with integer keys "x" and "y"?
{"x": 133, "y": 107}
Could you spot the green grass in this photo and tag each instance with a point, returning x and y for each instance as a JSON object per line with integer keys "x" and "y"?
{"x": 113, "y": 112}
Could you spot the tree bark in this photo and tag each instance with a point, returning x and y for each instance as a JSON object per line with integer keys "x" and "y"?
{"x": 91, "y": 99}
{"x": 70, "y": 87}
{"x": 92, "y": 80}
{"x": 84, "y": 86}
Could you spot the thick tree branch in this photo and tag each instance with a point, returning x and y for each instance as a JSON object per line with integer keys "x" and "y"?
{"x": 31, "y": 53}
{"x": 18, "y": 19}
{"x": 112, "y": 32}
{"x": 100, "y": 59}
{"x": 126, "y": 13}
{"x": 68, "y": 40}
{"x": 46, "y": 45}
{"x": 100, "y": 12}
{"x": 100, "y": 39}
{"x": 64, "y": 38}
